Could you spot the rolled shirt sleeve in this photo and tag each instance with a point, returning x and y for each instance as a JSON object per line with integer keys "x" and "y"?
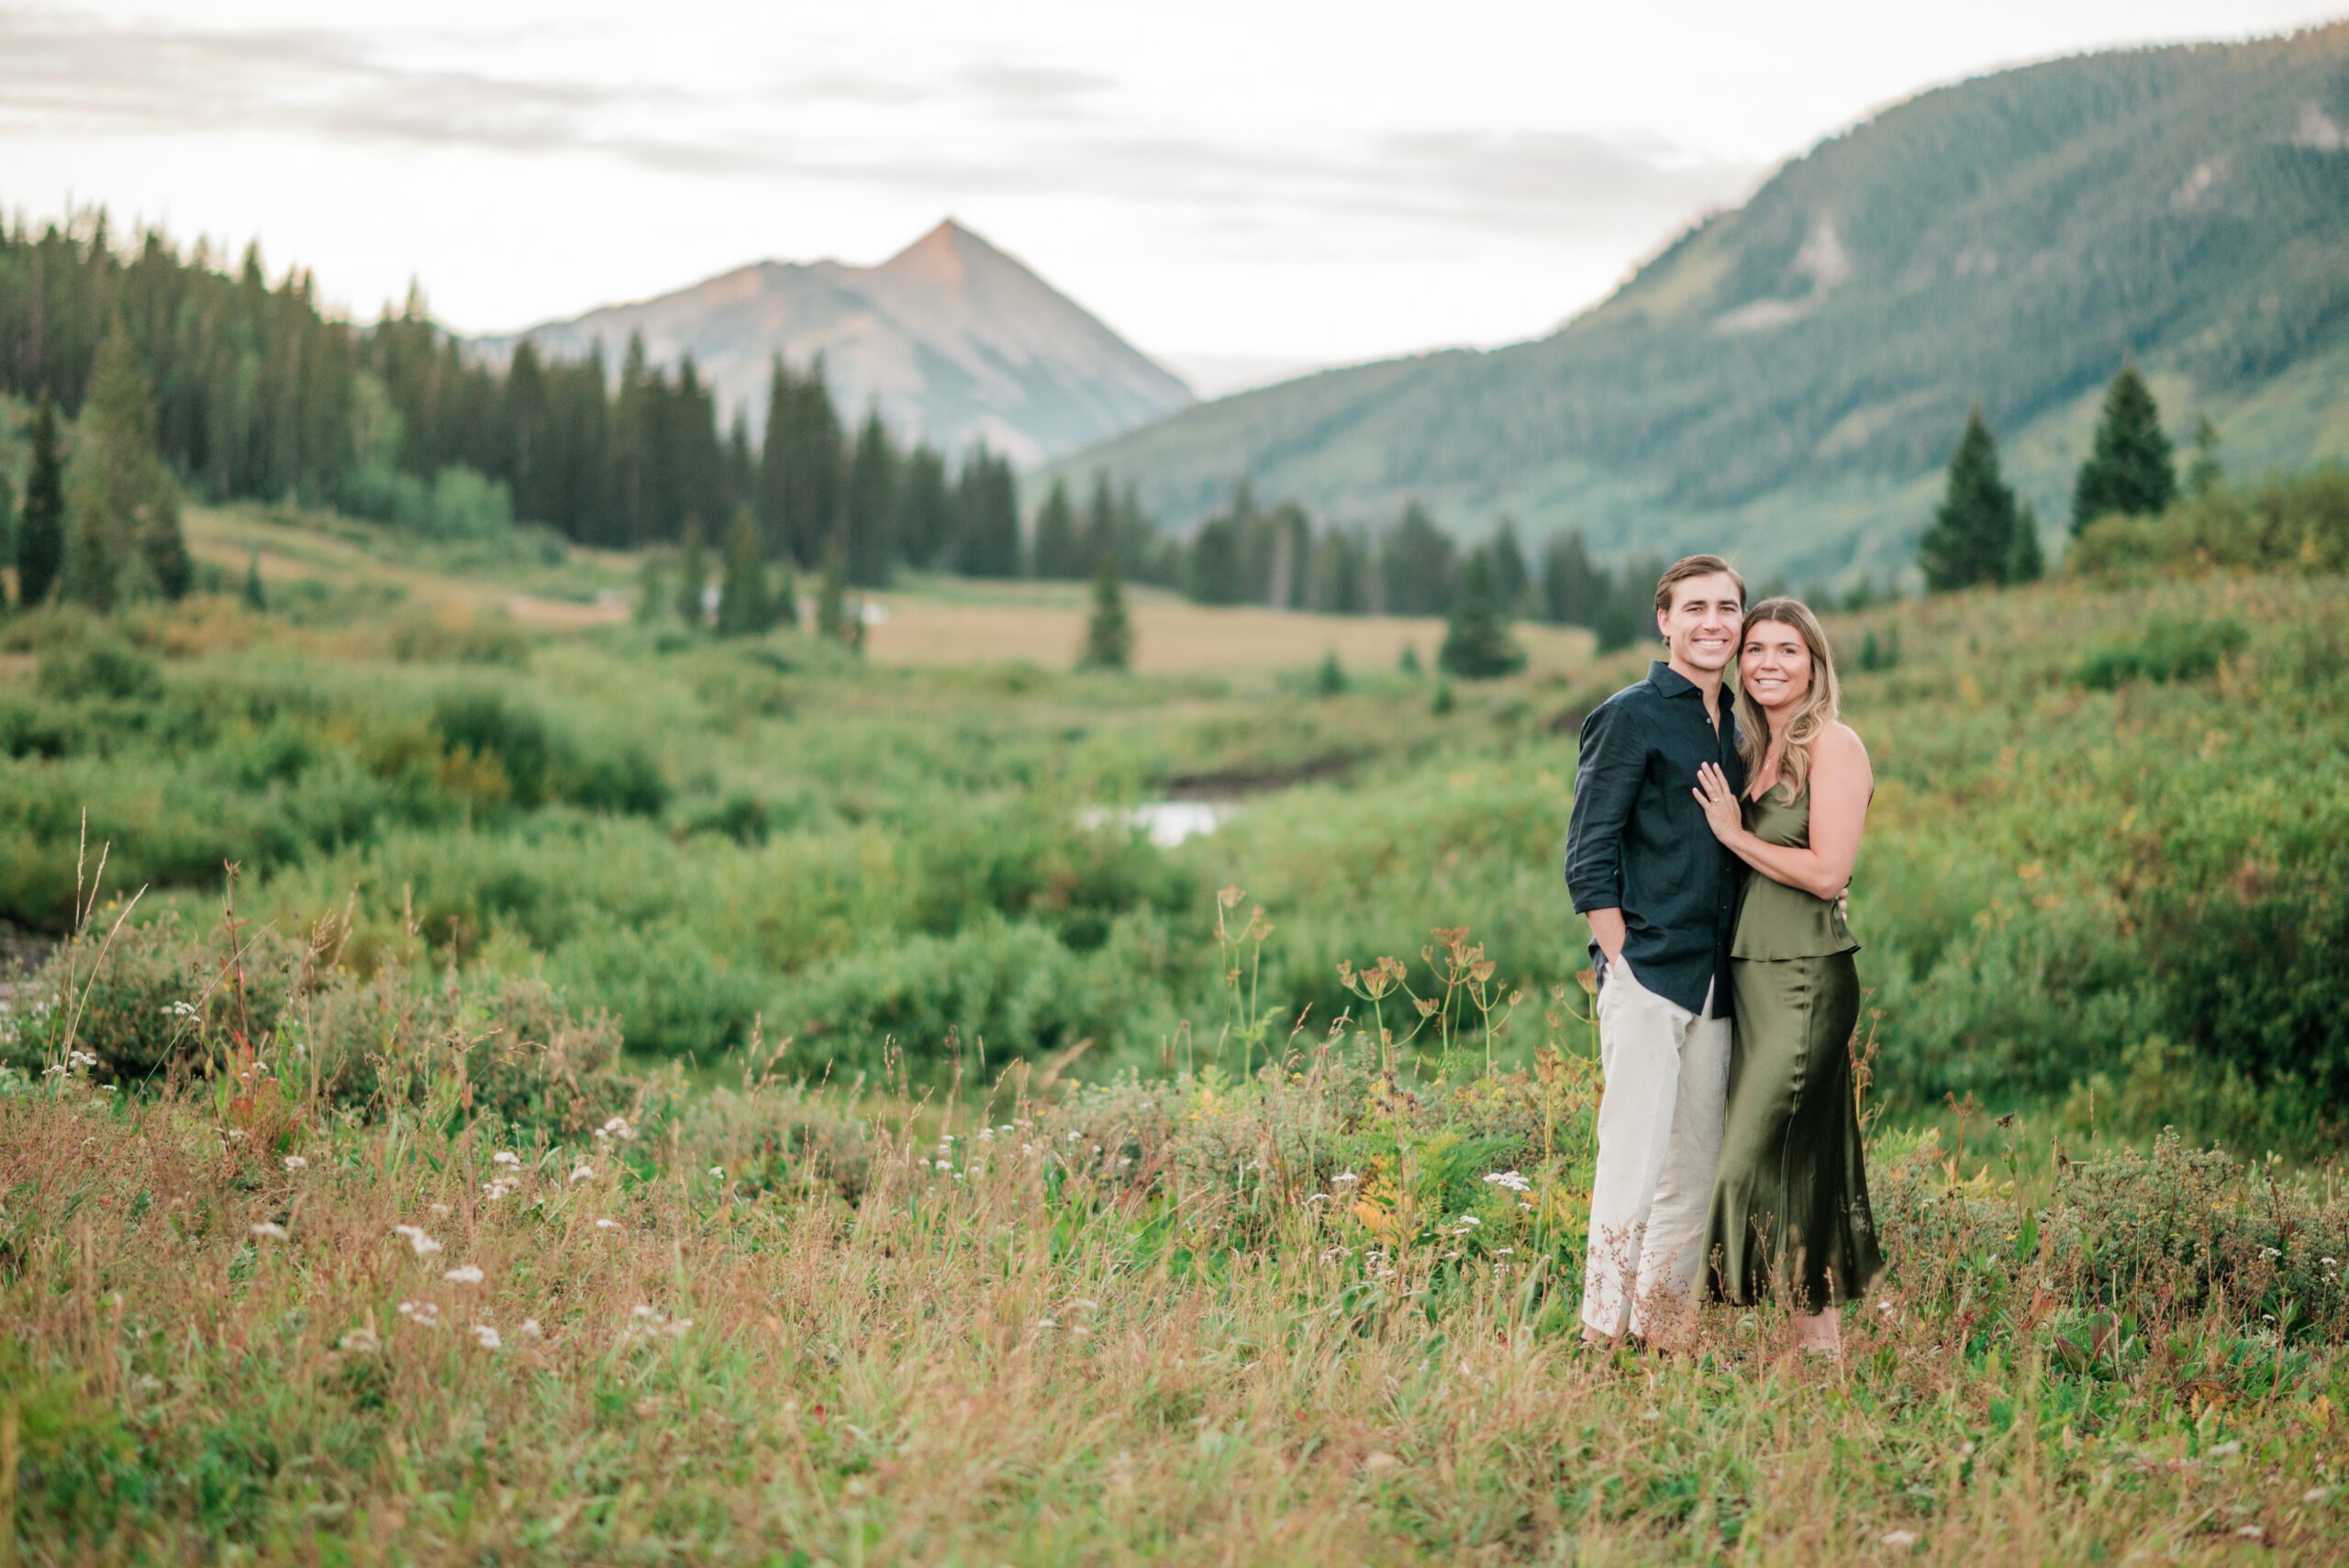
{"x": 1608, "y": 775}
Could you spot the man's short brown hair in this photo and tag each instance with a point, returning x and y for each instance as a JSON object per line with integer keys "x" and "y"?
{"x": 1690, "y": 566}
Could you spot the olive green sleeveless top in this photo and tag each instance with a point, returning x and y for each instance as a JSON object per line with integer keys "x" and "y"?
{"x": 1773, "y": 920}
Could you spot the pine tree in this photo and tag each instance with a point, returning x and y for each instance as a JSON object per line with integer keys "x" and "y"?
{"x": 2127, "y": 470}
{"x": 1971, "y": 539}
{"x": 2205, "y": 474}
{"x": 783, "y": 598}
{"x": 925, "y": 511}
{"x": 1573, "y": 587}
{"x": 7, "y": 528}
{"x": 255, "y": 597}
{"x": 1055, "y": 553}
{"x": 693, "y": 575}
{"x": 1417, "y": 566}
{"x": 774, "y": 501}
{"x": 652, "y": 593}
{"x": 1329, "y": 678}
{"x": 2028, "y": 563}
{"x": 1109, "y": 634}
{"x": 1476, "y": 644}
{"x": 1100, "y": 534}
{"x": 869, "y": 508}
{"x": 1341, "y": 589}
{"x": 41, "y": 535}
{"x": 743, "y": 589}
{"x": 831, "y": 599}
{"x": 1510, "y": 578}
{"x": 1219, "y": 573}
{"x": 811, "y": 472}
{"x": 123, "y": 535}
{"x": 1626, "y": 617}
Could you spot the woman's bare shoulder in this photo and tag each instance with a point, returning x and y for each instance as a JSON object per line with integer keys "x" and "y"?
{"x": 1838, "y": 742}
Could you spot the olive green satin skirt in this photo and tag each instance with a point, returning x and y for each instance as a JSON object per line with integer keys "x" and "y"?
{"x": 1790, "y": 1197}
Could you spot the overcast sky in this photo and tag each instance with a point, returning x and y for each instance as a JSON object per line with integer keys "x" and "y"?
{"x": 1265, "y": 182}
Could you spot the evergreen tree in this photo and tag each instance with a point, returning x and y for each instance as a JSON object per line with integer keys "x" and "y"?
{"x": 783, "y": 598}
{"x": 41, "y": 535}
{"x": 7, "y": 528}
{"x": 1219, "y": 573}
{"x": 2205, "y": 474}
{"x": 1476, "y": 644}
{"x": 2128, "y": 469}
{"x": 869, "y": 508}
{"x": 1573, "y": 586}
{"x": 1099, "y": 533}
{"x": 743, "y": 589}
{"x": 255, "y": 597}
{"x": 693, "y": 575}
{"x": 986, "y": 506}
{"x": 833, "y": 615}
{"x": 773, "y": 504}
{"x": 1627, "y": 616}
{"x": 123, "y": 533}
{"x": 925, "y": 511}
{"x": 652, "y": 593}
{"x": 1054, "y": 552}
{"x": 811, "y": 474}
{"x": 1289, "y": 585}
{"x": 2029, "y": 561}
{"x": 1417, "y": 566}
{"x": 1510, "y": 577}
{"x": 1330, "y": 679}
{"x": 1342, "y": 588}
{"x": 1109, "y": 634}
{"x": 1971, "y": 539}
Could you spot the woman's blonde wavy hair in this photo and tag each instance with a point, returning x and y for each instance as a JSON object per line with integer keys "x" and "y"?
{"x": 1814, "y": 711}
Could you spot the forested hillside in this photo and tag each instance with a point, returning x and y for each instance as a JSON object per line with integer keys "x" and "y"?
{"x": 1787, "y": 378}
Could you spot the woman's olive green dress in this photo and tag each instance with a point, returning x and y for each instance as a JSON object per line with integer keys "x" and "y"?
{"x": 1790, "y": 1200}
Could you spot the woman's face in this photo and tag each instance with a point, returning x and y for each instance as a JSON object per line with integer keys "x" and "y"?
{"x": 1773, "y": 664}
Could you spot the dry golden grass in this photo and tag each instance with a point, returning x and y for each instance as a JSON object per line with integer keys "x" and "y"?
{"x": 693, "y": 1348}
{"x": 1173, "y": 637}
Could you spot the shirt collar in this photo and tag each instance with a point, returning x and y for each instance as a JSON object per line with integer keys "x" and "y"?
{"x": 1671, "y": 683}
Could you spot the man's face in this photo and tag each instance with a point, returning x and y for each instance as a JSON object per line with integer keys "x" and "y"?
{"x": 1701, "y": 624}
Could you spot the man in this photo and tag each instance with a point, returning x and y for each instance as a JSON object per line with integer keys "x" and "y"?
{"x": 1660, "y": 894}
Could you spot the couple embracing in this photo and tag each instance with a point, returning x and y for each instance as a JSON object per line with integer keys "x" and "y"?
{"x": 1712, "y": 839}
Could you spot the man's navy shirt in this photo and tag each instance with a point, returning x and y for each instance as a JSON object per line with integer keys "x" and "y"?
{"x": 1637, "y": 841}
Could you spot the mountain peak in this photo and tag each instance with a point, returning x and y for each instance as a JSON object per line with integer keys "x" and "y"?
{"x": 945, "y": 254}
{"x": 953, "y": 339}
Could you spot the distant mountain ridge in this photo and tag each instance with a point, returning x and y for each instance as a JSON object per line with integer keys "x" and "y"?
{"x": 954, "y": 339}
{"x": 1788, "y": 378}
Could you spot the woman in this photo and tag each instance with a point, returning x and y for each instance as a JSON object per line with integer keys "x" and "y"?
{"x": 1790, "y": 1197}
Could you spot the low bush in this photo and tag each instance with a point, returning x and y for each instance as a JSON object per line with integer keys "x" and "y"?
{"x": 2169, "y": 649}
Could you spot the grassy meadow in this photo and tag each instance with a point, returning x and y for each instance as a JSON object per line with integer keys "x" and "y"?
{"x": 815, "y": 1143}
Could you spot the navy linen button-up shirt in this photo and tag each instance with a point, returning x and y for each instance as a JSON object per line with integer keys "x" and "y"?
{"x": 1637, "y": 841}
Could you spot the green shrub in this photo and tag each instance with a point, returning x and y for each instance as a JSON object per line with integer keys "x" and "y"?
{"x": 98, "y": 665}
{"x": 487, "y": 724}
{"x": 2169, "y": 649}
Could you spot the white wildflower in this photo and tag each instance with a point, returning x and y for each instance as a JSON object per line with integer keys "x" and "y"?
{"x": 1511, "y": 1180}
{"x": 487, "y": 1337}
{"x": 507, "y": 1157}
{"x": 270, "y": 1229}
{"x": 463, "y": 1273}
{"x": 423, "y": 1245}
{"x": 1343, "y": 1178}
{"x": 1899, "y": 1538}
{"x": 423, "y": 1313}
{"x": 362, "y": 1340}
{"x": 296, "y": 1162}
{"x": 529, "y": 1329}
{"x": 583, "y": 1172}
{"x": 606, "y": 1223}
{"x": 618, "y": 1127}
